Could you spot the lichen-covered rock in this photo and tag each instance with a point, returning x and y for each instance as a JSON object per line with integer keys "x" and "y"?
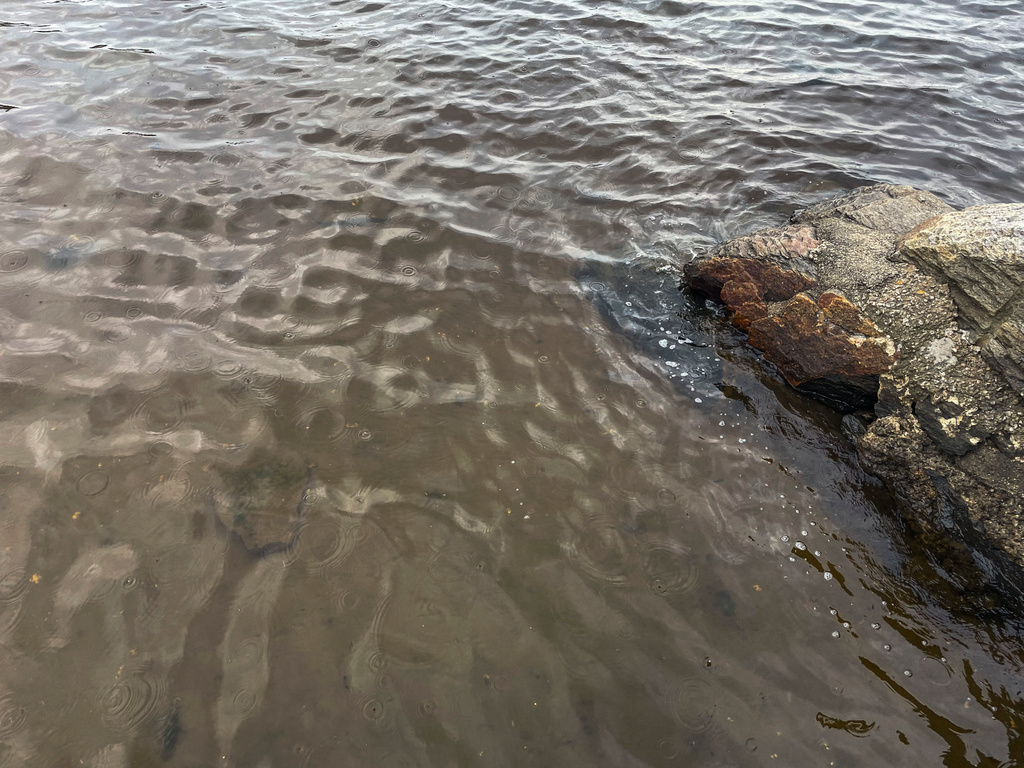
{"x": 883, "y": 208}
{"x": 1004, "y": 347}
{"x": 979, "y": 254}
{"x": 898, "y": 300}
{"x": 973, "y": 500}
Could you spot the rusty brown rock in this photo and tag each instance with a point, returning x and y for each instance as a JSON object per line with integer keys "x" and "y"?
{"x": 745, "y": 300}
{"x": 810, "y": 340}
{"x": 884, "y": 268}
{"x": 749, "y": 313}
{"x": 772, "y": 282}
{"x": 845, "y": 314}
{"x": 762, "y": 279}
{"x": 773, "y": 263}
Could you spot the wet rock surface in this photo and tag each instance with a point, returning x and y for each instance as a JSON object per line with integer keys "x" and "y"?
{"x": 909, "y": 315}
{"x": 827, "y": 347}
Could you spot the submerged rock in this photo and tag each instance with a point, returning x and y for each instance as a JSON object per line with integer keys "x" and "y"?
{"x": 641, "y": 301}
{"x": 264, "y": 501}
{"x": 889, "y": 301}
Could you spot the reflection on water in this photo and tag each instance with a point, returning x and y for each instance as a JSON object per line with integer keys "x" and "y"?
{"x": 348, "y": 419}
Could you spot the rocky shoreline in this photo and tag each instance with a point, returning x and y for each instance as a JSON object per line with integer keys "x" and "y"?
{"x": 907, "y": 315}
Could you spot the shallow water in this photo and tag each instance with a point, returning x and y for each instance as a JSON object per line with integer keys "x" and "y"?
{"x": 349, "y": 421}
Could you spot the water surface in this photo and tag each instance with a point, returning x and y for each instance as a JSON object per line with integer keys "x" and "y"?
{"x": 349, "y": 419}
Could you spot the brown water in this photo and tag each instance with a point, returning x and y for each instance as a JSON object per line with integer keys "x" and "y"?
{"x": 349, "y": 421}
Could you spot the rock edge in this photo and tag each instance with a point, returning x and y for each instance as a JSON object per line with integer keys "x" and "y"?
{"x": 888, "y": 301}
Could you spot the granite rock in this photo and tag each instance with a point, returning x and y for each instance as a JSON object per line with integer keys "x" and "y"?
{"x": 903, "y": 306}
{"x": 979, "y": 254}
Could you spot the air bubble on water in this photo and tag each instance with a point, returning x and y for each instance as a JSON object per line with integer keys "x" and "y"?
{"x": 817, "y": 553}
{"x": 846, "y": 625}
{"x": 785, "y": 538}
{"x": 887, "y": 647}
{"x": 663, "y": 343}
{"x": 671, "y": 363}
{"x": 833, "y": 611}
{"x": 697, "y": 400}
{"x": 721, "y": 423}
{"x": 876, "y": 625}
{"x": 803, "y": 533}
{"x": 828, "y": 576}
{"x": 907, "y": 673}
{"x": 835, "y": 634}
{"x": 800, "y": 545}
{"x": 743, "y": 439}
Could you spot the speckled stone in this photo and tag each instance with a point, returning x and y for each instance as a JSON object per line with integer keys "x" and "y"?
{"x": 936, "y": 295}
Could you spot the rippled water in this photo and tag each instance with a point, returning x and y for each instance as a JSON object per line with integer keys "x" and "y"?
{"x": 349, "y": 421}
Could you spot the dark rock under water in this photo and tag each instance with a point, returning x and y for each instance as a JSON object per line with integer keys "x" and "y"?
{"x": 642, "y": 301}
